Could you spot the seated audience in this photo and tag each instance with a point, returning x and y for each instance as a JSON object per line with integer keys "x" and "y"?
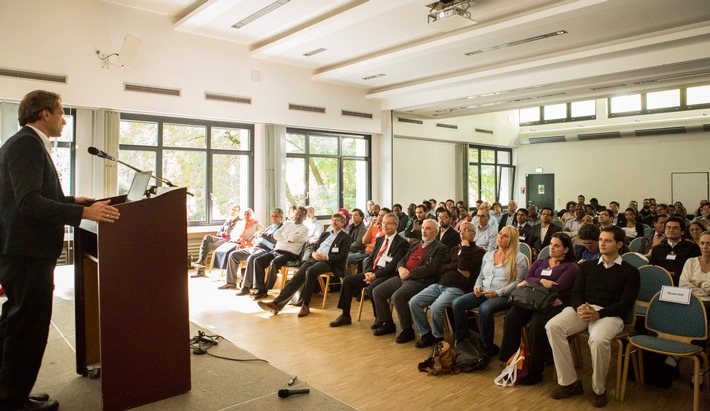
{"x": 533, "y": 216}
{"x": 633, "y": 227}
{"x": 603, "y": 293}
{"x": 263, "y": 243}
{"x": 673, "y": 251}
{"x": 509, "y": 217}
{"x": 695, "y": 230}
{"x": 418, "y": 269}
{"x": 210, "y": 242}
{"x": 559, "y": 271}
{"x": 653, "y": 238}
{"x": 696, "y": 272}
{"x": 409, "y": 219}
{"x": 463, "y": 218}
{"x": 605, "y": 218}
{"x": 497, "y": 211}
{"x": 290, "y": 241}
{"x": 541, "y": 234}
{"x": 485, "y": 233}
{"x": 456, "y": 279}
{"x": 568, "y": 213}
{"x": 397, "y": 210}
{"x": 372, "y": 233}
{"x": 414, "y": 231}
{"x": 345, "y": 214}
{"x": 572, "y": 225}
{"x": 371, "y": 211}
{"x": 378, "y": 267}
{"x": 704, "y": 216}
{"x": 522, "y": 225}
{"x": 315, "y": 228}
{"x": 619, "y": 218}
{"x": 330, "y": 256}
{"x": 356, "y": 230}
{"x": 645, "y": 210}
{"x": 502, "y": 269}
{"x": 447, "y": 234}
{"x": 241, "y": 237}
{"x": 588, "y": 250}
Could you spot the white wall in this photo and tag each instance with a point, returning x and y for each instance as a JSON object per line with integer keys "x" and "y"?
{"x": 424, "y": 169}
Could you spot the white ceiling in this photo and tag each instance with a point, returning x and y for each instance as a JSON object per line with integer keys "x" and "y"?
{"x": 611, "y": 47}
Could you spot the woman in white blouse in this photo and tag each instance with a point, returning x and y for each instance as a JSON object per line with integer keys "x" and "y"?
{"x": 696, "y": 272}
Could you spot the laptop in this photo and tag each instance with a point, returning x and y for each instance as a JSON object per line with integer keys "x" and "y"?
{"x": 139, "y": 185}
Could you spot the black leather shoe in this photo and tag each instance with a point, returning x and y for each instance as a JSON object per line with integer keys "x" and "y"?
{"x": 243, "y": 291}
{"x": 260, "y": 295}
{"x": 228, "y": 286}
{"x": 427, "y": 340}
{"x": 376, "y": 325}
{"x": 341, "y": 320}
{"x": 405, "y": 336}
{"x": 198, "y": 274}
{"x": 387, "y": 328}
{"x": 39, "y": 396}
{"x": 38, "y": 405}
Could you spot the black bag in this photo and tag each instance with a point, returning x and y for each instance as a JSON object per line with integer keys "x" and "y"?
{"x": 470, "y": 354}
{"x": 533, "y": 296}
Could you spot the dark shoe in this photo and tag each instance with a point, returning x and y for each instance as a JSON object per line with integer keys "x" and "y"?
{"x": 341, "y": 320}
{"x": 493, "y": 350}
{"x": 598, "y": 400}
{"x": 269, "y": 306}
{"x": 198, "y": 274}
{"x": 260, "y": 295}
{"x": 304, "y": 311}
{"x": 38, "y": 405}
{"x": 405, "y": 336}
{"x": 199, "y": 264}
{"x": 386, "y": 328}
{"x": 228, "y": 286}
{"x": 566, "y": 391}
{"x": 531, "y": 379}
{"x": 376, "y": 325}
{"x": 243, "y": 291}
{"x": 427, "y": 340}
{"x": 39, "y": 396}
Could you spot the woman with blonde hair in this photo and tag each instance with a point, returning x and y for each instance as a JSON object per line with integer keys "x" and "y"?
{"x": 501, "y": 271}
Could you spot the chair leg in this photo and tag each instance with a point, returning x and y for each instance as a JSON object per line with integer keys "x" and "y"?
{"x": 325, "y": 292}
{"x": 625, "y": 374}
{"x": 619, "y": 365}
{"x": 362, "y": 300}
{"x": 696, "y": 383}
{"x": 211, "y": 264}
{"x": 639, "y": 358}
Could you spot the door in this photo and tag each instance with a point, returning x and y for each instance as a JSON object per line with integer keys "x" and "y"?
{"x": 540, "y": 189}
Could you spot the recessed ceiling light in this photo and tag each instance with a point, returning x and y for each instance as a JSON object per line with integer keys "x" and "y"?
{"x": 517, "y": 42}
{"x": 316, "y": 51}
{"x": 266, "y": 10}
{"x": 374, "y": 76}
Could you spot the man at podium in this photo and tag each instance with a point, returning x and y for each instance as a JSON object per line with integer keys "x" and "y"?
{"x": 33, "y": 212}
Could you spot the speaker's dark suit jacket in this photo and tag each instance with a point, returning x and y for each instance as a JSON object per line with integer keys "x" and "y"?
{"x": 33, "y": 207}
{"x": 534, "y": 240}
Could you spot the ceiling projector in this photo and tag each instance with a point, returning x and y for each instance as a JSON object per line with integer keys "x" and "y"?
{"x": 450, "y": 15}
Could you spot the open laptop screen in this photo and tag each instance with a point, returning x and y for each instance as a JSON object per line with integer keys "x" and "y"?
{"x": 139, "y": 185}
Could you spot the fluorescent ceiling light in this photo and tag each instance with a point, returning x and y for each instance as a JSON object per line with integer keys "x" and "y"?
{"x": 518, "y": 42}
{"x": 266, "y": 10}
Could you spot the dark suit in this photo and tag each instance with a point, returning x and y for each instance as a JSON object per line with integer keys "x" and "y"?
{"x": 524, "y": 233}
{"x": 400, "y": 291}
{"x": 534, "y": 240}
{"x": 451, "y": 238}
{"x": 352, "y": 284}
{"x": 506, "y": 219}
{"x": 307, "y": 275}
{"x": 33, "y": 212}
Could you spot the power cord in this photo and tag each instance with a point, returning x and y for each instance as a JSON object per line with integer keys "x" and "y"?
{"x": 201, "y": 343}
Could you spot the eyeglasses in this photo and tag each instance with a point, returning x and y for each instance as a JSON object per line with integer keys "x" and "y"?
{"x": 672, "y": 227}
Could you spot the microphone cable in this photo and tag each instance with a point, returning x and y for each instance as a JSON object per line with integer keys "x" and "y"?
{"x": 201, "y": 343}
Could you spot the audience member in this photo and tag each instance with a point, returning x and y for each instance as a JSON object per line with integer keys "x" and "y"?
{"x": 605, "y": 218}
{"x": 397, "y": 210}
{"x": 673, "y": 251}
{"x": 485, "y": 233}
{"x": 501, "y": 271}
{"x": 695, "y": 229}
{"x": 568, "y": 212}
{"x": 653, "y": 238}
{"x": 331, "y": 256}
{"x": 533, "y": 216}
{"x": 315, "y": 228}
{"x": 418, "y": 269}
{"x": 373, "y": 232}
{"x": 704, "y": 216}
{"x": 447, "y": 234}
{"x": 559, "y": 271}
{"x": 603, "y": 293}
{"x": 522, "y": 225}
{"x": 414, "y": 231}
{"x": 240, "y": 237}
{"x": 696, "y": 272}
{"x": 378, "y": 267}
{"x": 573, "y": 224}
{"x": 588, "y": 250}
{"x": 356, "y": 230}
{"x": 633, "y": 227}
{"x": 541, "y": 234}
{"x": 497, "y": 212}
{"x": 211, "y": 242}
{"x": 509, "y": 217}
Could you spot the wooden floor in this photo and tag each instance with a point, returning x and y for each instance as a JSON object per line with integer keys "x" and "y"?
{"x": 375, "y": 373}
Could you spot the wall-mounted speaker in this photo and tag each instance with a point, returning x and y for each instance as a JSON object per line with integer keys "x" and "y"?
{"x": 129, "y": 50}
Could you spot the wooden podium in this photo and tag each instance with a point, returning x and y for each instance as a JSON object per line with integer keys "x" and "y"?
{"x": 132, "y": 314}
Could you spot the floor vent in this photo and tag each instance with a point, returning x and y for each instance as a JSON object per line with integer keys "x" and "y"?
{"x": 151, "y": 90}
{"x": 227, "y": 98}
{"x": 599, "y": 136}
{"x": 310, "y": 109}
{"x": 660, "y": 131}
{"x": 33, "y": 75}
{"x": 409, "y": 120}
{"x": 355, "y": 114}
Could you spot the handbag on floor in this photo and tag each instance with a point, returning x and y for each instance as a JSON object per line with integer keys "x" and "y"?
{"x": 533, "y": 296}
{"x": 470, "y": 354}
{"x": 442, "y": 360}
{"x": 515, "y": 369}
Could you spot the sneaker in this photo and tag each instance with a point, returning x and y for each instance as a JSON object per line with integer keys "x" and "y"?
{"x": 598, "y": 400}
{"x": 566, "y": 391}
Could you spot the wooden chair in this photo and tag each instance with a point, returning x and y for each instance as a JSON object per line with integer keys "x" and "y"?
{"x": 362, "y": 302}
{"x": 673, "y": 337}
{"x": 324, "y": 281}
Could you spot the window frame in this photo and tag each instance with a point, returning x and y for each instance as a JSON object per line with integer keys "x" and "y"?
{"x": 306, "y": 156}
{"x": 568, "y": 118}
{"x": 497, "y": 165}
{"x": 159, "y": 148}
{"x": 683, "y": 106}
{"x": 71, "y": 145}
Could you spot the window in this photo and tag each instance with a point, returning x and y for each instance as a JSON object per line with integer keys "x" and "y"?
{"x": 63, "y": 152}
{"x": 327, "y": 171}
{"x": 663, "y": 99}
{"x": 698, "y": 95}
{"x": 214, "y": 160}
{"x": 559, "y": 113}
{"x": 490, "y": 174}
{"x": 660, "y": 101}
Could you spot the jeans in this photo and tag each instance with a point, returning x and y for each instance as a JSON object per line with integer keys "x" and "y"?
{"x": 439, "y": 297}
{"x": 487, "y": 307}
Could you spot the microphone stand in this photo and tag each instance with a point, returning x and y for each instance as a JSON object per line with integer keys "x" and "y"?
{"x": 156, "y": 178}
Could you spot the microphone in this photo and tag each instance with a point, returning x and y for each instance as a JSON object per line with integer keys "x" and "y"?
{"x": 287, "y": 392}
{"x": 96, "y": 152}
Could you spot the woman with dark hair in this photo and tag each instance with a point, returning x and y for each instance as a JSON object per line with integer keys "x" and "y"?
{"x": 560, "y": 271}
{"x": 569, "y": 214}
{"x": 695, "y": 230}
{"x": 634, "y": 226}
{"x": 344, "y": 212}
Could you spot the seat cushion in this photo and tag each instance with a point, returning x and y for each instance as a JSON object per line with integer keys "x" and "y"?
{"x": 662, "y": 344}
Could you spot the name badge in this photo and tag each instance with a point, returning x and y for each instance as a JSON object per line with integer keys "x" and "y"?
{"x": 334, "y": 249}
{"x": 386, "y": 259}
{"x": 546, "y": 272}
{"x": 522, "y": 238}
{"x": 671, "y": 257}
{"x": 676, "y": 295}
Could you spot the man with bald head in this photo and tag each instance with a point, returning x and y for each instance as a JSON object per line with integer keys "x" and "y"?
{"x": 509, "y": 217}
